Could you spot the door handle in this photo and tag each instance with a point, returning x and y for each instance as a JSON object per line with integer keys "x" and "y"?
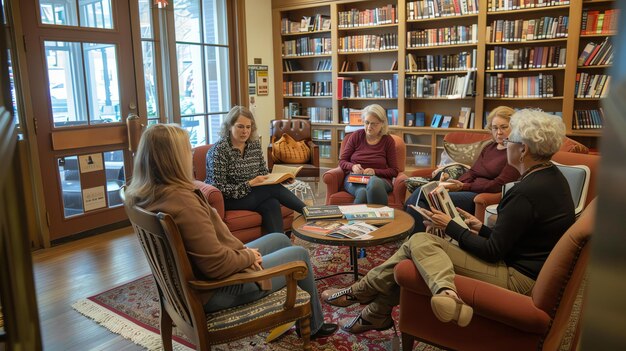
{"x": 134, "y": 128}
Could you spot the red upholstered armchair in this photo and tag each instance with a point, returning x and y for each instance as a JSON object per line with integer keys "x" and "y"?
{"x": 245, "y": 225}
{"x": 336, "y": 195}
{"x": 503, "y": 319}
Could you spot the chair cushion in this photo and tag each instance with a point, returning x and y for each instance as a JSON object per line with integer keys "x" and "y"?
{"x": 465, "y": 153}
{"x": 270, "y": 304}
{"x": 288, "y": 150}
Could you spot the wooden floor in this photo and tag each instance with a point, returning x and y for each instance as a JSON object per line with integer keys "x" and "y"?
{"x": 79, "y": 269}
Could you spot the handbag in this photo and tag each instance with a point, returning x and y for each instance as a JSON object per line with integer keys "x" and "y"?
{"x": 288, "y": 150}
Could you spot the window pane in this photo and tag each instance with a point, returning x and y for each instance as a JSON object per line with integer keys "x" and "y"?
{"x": 102, "y": 83}
{"x": 70, "y": 185}
{"x": 217, "y": 81}
{"x": 187, "y": 20}
{"x": 190, "y": 80}
{"x": 114, "y": 169}
{"x": 96, "y": 14}
{"x": 215, "y": 125}
{"x": 58, "y": 12}
{"x": 215, "y": 22}
{"x": 195, "y": 127}
{"x": 149, "y": 71}
{"x": 145, "y": 19}
{"x": 65, "y": 76}
{"x": 13, "y": 94}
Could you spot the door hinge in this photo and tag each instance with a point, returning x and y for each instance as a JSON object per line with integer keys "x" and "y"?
{"x": 35, "y": 125}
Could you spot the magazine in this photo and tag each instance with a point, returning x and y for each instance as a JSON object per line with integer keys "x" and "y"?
{"x": 364, "y": 212}
{"x": 437, "y": 197}
{"x": 357, "y": 230}
{"x": 322, "y": 226}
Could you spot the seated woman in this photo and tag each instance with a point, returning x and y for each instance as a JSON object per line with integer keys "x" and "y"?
{"x": 163, "y": 182}
{"x": 235, "y": 165}
{"x": 370, "y": 151}
{"x": 532, "y": 217}
{"x": 488, "y": 174}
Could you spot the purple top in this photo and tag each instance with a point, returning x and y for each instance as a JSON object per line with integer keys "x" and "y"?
{"x": 490, "y": 171}
{"x": 380, "y": 157}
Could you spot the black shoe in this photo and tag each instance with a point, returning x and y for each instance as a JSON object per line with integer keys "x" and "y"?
{"x": 326, "y": 330}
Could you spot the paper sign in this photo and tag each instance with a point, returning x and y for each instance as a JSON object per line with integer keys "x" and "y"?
{"x": 252, "y": 78}
{"x": 93, "y": 198}
{"x": 90, "y": 163}
{"x": 262, "y": 83}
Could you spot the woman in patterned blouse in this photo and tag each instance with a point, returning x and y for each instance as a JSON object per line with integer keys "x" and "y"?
{"x": 235, "y": 164}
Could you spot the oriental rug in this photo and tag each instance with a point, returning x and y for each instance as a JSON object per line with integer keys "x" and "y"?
{"x": 132, "y": 310}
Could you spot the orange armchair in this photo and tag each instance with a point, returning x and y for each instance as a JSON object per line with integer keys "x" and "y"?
{"x": 335, "y": 195}
{"x": 245, "y": 225}
{"x": 299, "y": 130}
{"x": 503, "y": 319}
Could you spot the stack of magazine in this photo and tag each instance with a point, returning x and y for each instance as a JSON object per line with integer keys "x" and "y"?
{"x": 363, "y": 212}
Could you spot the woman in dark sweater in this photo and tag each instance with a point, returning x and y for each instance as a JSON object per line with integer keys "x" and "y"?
{"x": 370, "y": 151}
{"x": 532, "y": 217}
{"x": 488, "y": 174}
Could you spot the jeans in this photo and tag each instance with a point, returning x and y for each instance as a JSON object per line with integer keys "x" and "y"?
{"x": 462, "y": 199}
{"x": 374, "y": 192}
{"x": 276, "y": 249}
{"x": 266, "y": 200}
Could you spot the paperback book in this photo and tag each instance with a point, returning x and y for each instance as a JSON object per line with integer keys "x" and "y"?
{"x": 322, "y": 211}
{"x": 358, "y": 178}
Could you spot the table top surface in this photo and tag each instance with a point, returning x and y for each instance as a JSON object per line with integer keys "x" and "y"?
{"x": 397, "y": 228}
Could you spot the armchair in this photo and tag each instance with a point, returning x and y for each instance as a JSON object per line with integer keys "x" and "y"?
{"x": 299, "y": 130}
{"x": 503, "y": 319}
{"x": 181, "y": 293}
{"x": 335, "y": 195}
{"x": 245, "y": 225}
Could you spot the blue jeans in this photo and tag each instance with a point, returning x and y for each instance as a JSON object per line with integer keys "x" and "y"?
{"x": 462, "y": 199}
{"x": 276, "y": 249}
{"x": 266, "y": 200}
{"x": 374, "y": 192}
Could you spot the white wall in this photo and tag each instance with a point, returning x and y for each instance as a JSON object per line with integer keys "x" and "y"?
{"x": 259, "y": 45}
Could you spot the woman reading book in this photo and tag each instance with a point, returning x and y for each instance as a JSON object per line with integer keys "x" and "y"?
{"x": 532, "y": 217}
{"x": 163, "y": 182}
{"x": 235, "y": 165}
{"x": 370, "y": 152}
{"x": 488, "y": 174}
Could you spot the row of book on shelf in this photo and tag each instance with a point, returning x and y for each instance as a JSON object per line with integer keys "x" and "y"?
{"x": 307, "y": 46}
{"x": 499, "y": 86}
{"x": 368, "y": 42}
{"x": 596, "y": 54}
{"x": 449, "y": 87}
{"x": 462, "y": 61}
{"x": 546, "y": 27}
{"x": 369, "y": 17}
{"x": 525, "y": 57}
{"x": 424, "y": 9}
{"x": 294, "y": 65}
{"x": 293, "y": 88}
{"x": 314, "y": 23}
{"x": 591, "y": 85}
{"x": 459, "y": 34}
{"x": 599, "y": 22}
{"x": 500, "y": 5}
{"x": 588, "y": 119}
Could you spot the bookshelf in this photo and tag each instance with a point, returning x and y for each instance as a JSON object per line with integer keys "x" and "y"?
{"x": 414, "y": 59}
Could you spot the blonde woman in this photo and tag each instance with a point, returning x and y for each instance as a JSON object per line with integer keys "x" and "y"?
{"x": 370, "y": 151}
{"x": 162, "y": 182}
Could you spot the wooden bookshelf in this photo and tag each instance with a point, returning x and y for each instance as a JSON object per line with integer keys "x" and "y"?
{"x": 378, "y": 65}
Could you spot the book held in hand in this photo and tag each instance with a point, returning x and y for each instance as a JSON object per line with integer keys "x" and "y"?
{"x": 280, "y": 173}
{"x": 322, "y": 211}
{"x": 358, "y": 178}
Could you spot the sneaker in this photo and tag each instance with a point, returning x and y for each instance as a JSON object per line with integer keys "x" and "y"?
{"x": 339, "y": 297}
{"x": 359, "y": 325}
{"x": 449, "y": 308}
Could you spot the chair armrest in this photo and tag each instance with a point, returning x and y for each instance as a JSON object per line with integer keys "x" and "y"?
{"x": 487, "y": 300}
{"x": 270, "y": 157}
{"x": 292, "y": 270}
{"x": 481, "y": 201}
{"x": 399, "y": 187}
{"x": 333, "y": 179}
{"x": 423, "y": 172}
{"x": 213, "y": 195}
{"x": 315, "y": 153}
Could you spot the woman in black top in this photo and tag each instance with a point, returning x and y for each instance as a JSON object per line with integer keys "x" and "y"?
{"x": 532, "y": 217}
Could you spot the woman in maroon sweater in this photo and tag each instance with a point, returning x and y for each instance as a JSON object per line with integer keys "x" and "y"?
{"x": 488, "y": 174}
{"x": 370, "y": 151}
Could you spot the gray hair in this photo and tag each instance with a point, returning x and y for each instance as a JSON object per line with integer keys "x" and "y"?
{"x": 233, "y": 116}
{"x": 541, "y": 132}
{"x": 378, "y": 112}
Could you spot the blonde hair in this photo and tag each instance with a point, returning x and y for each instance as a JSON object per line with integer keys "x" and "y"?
{"x": 541, "y": 132}
{"x": 232, "y": 117}
{"x": 378, "y": 112}
{"x": 163, "y": 163}
{"x": 500, "y": 111}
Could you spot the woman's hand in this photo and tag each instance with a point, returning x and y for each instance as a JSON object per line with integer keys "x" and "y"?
{"x": 258, "y": 259}
{"x": 357, "y": 169}
{"x": 439, "y": 219}
{"x": 369, "y": 171}
{"x": 472, "y": 222}
{"x": 453, "y": 185}
{"x": 257, "y": 180}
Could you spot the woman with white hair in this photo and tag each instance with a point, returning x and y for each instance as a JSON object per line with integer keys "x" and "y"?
{"x": 532, "y": 217}
{"x": 370, "y": 151}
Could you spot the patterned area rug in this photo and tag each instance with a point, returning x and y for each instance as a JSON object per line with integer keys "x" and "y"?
{"x": 132, "y": 310}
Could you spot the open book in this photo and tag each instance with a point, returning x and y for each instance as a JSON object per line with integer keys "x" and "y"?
{"x": 437, "y": 197}
{"x": 354, "y": 230}
{"x": 281, "y": 173}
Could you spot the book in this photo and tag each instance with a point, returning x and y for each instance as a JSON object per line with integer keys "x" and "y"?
{"x": 364, "y": 212}
{"x": 436, "y": 120}
{"x": 464, "y": 115}
{"x": 409, "y": 119}
{"x": 445, "y": 122}
{"x": 322, "y": 211}
{"x": 437, "y": 197}
{"x": 280, "y": 173}
{"x": 322, "y": 226}
{"x": 420, "y": 118}
{"x": 358, "y": 178}
{"x": 355, "y": 230}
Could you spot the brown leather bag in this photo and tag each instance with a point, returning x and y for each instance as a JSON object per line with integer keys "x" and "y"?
{"x": 288, "y": 150}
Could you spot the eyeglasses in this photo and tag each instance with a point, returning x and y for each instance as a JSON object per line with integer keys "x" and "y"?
{"x": 506, "y": 142}
{"x": 503, "y": 128}
{"x": 373, "y": 124}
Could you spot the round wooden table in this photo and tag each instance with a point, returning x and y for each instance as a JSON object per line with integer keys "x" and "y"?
{"x": 396, "y": 229}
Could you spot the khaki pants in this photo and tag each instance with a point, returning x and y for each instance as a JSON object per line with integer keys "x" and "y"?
{"x": 438, "y": 261}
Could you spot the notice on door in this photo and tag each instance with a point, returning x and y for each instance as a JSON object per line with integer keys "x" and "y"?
{"x": 90, "y": 163}
{"x": 93, "y": 198}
